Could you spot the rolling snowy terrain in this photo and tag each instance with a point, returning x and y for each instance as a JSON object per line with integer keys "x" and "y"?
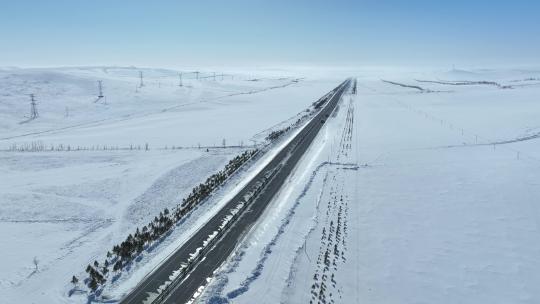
{"x": 421, "y": 188}
{"x": 86, "y": 172}
{"x": 416, "y": 192}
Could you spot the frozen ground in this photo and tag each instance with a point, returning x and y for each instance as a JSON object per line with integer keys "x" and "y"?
{"x": 64, "y": 209}
{"x": 408, "y": 196}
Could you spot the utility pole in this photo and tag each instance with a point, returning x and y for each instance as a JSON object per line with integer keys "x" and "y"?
{"x": 214, "y": 76}
{"x": 33, "y": 109}
{"x": 180, "y": 75}
{"x": 100, "y": 88}
{"x": 197, "y": 74}
{"x": 141, "y": 84}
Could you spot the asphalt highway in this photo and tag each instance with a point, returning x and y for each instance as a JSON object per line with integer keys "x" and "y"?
{"x": 286, "y": 160}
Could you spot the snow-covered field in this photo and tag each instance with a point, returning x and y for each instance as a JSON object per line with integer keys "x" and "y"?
{"x": 93, "y": 179}
{"x": 409, "y": 195}
{"x": 415, "y": 192}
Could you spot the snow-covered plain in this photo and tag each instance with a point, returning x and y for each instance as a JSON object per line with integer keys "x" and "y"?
{"x": 61, "y": 210}
{"x": 409, "y": 195}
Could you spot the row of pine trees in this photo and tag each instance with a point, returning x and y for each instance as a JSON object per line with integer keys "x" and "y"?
{"x": 125, "y": 252}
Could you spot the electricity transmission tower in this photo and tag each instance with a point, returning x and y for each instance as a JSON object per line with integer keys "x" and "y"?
{"x": 180, "y": 83}
{"x": 100, "y": 91}
{"x": 214, "y": 76}
{"x": 33, "y": 109}
{"x": 141, "y": 84}
{"x": 100, "y": 87}
{"x": 197, "y": 73}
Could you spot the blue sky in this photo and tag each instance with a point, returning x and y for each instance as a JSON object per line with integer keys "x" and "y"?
{"x": 264, "y": 33}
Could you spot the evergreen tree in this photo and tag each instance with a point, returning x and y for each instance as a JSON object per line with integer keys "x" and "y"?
{"x": 117, "y": 266}
{"x": 93, "y": 284}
